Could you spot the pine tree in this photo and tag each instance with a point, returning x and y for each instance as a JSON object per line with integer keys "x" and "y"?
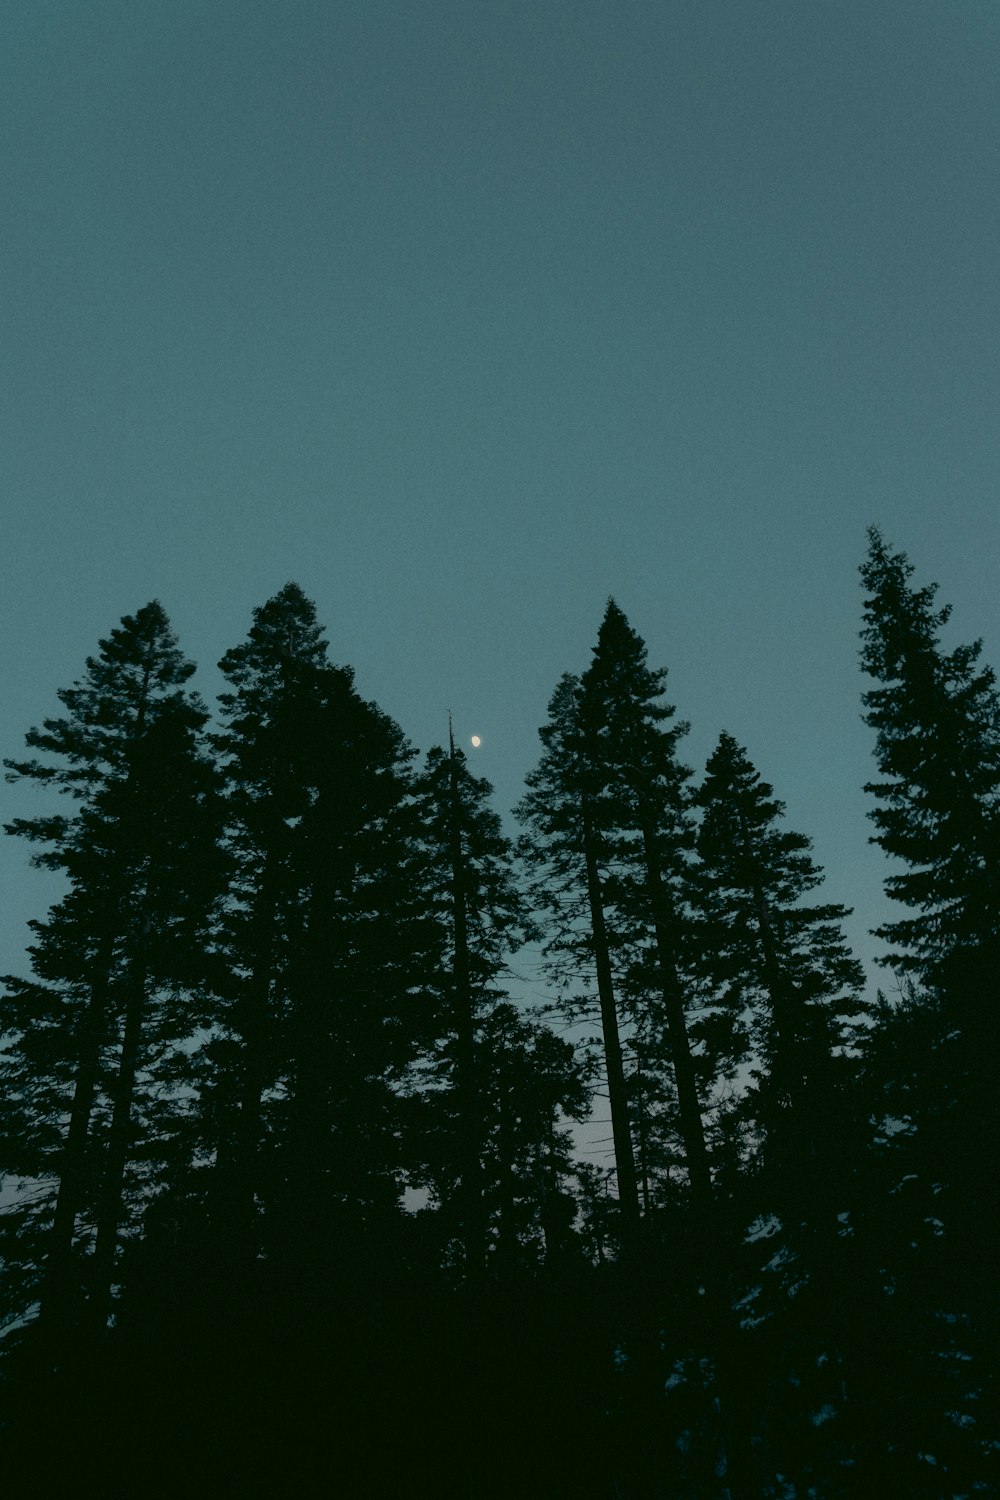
{"x": 611, "y": 820}
{"x": 568, "y": 850}
{"x": 120, "y": 964}
{"x": 326, "y": 938}
{"x": 631, "y": 752}
{"x": 929, "y": 1061}
{"x": 483, "y": 919}
{"x": 784, "y": 972}
{"x": 937, "y": 719}
{"x": 936, "y": 714}
{"x": 783, "y": 967}
{"x": 277, "y": 678}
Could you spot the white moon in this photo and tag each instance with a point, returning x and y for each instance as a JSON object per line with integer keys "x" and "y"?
{"x": 476, "y": 741}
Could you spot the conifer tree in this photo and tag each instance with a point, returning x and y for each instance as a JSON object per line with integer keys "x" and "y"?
{"x": 568, "y": 849}
{"x": 630, "y": 748}
{"x": 936, "y": 714}
{"x": 783, "y": 967}
{"x": 930, "y": 1058}
{"x": 483, "y": 920}
{"x": 121, "y": 963}
{"x": 360, "y": 977}
{"x": 783, "y": 970}
{"x": 611, "y": 821}
{"x": 277, "y": 677}
{"x": 325, "y": 936}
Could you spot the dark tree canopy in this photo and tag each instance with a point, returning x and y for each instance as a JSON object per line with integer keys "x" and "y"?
{"x": 315, "y": 1174}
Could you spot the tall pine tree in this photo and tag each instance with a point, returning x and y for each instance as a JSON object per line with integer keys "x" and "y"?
{"x": 120, "y": 965}
{"x": 328, "y": 945}
{"x": 483, "y": 919}
{"x": 936, "y": 714}
{"x": 630, "y": 747}
{"x": 929, "y": 1063}
{"x": 567, "y": 850}
{"x": 783, "y": 966}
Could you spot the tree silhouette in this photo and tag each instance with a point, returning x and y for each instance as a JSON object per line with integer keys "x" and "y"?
{"x": 631, "y": 753}
{"x": 567, "y": 852}
{"x": 783, "y": 966}
{"x": 936, "y": 715}
{"x": 120, "y": 964}
{"x": 328, "y": 940}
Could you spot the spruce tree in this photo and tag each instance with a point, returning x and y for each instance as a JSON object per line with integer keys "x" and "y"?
{"x": 327, "y": 942}
{"x": 783, "y": 970}
{"x": 483, "y": 920}
{"x": 929, "y": 1061}
{"x": 936, "y": 714}
{"x": 269, "y": 716}
{"x": 120, "y": 965}
{"x": 567, "y": 850}
{"x": 783, "y": 967}
{"x": 611, "y": 819}
{"x": 630, "y": 747}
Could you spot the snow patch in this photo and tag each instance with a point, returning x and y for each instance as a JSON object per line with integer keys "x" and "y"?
{"x": 762, "y": 1228}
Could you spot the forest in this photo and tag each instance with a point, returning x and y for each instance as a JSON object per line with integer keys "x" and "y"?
{"x": 293, "y": 1196}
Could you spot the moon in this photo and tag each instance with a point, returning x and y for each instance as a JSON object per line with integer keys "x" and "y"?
{"x": 476, "y": 741}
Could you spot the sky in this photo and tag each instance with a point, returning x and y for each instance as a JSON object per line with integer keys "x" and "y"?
{"x": 469, "y": 314}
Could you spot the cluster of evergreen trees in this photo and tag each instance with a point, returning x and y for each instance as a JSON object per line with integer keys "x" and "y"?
{"x": 293, "y": 1200}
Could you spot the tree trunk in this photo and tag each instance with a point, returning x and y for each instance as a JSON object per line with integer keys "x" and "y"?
{"x": 692, "y": 1127}
{"x": 116, "y": 1156}
{"x": 628, "y": 1195}
{"x": 57, "y": 1292}
{"x": 469, "y": 1122}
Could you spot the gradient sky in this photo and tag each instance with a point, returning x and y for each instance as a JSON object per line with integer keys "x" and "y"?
{"x": 469, "y": 313}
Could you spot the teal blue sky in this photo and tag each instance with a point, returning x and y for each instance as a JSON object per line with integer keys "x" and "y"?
{"x": 468, "y": 315}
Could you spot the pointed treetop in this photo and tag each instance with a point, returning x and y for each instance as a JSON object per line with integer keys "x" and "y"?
{"x": 936, "y": 713}
{"x": 900, "y": 621}
{"x": 621, "y": 697}
{"x": 729, "y": 769}
{"x": 615, "y": 631}
{"x": 137, "y": 674}
{"x": 144, "y": 641}
{"x": 740, "y": 826}
{"x": 284, "y": 641}
{"x": 620, "y": 657}
{"x": 286, "y": 624}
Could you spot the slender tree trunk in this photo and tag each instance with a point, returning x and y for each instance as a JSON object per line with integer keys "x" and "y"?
{"x": 506, "y": 1251}
{"x": 718, "y": 1317}
{"x": 254, "y": 1035}
{"x": 646, "y": 1401}
{"x": 628, "y": 1195}
{"x": 314, "y": 1153}
{"x": 253, "y": 1030}
{"x": 116, "y": 1156}
{"x": 57, "y": 1291}
{"x": 692, "y": 1126}
{"x": 57, "y": 1294}
{"x": 643, "y": 1145}
{"x": 470, "y": 1124}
